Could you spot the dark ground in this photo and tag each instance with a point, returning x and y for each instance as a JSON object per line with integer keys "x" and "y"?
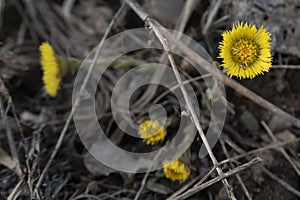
{"x": 73, "y": 173}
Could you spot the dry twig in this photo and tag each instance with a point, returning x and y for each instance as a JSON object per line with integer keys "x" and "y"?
{"x": 238, "y": 177}
{"x": 267, "y": 172}
{"x": 158, "y": 75}
{"x": 281, "y": 182}
{"x": 226, "y": 80}
{"x": 234, "y": 171}
{"x": 180, "y": 26}
{"x": 185, "y": 187}
{"x": 283, "y": 152}
{"x": 267, "y": 147}
{"x": 157, "y": 30}
{"x": 286, "y": 66}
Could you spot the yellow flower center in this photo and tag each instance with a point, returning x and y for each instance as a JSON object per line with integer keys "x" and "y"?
{"x": 245, "y": 52}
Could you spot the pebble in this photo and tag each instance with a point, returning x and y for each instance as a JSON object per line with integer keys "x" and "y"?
{"x": 277, "y": 123}
{"x": 249, "y": 121}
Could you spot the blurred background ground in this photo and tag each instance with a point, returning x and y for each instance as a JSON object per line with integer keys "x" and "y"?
{"x": 75, "y": 32}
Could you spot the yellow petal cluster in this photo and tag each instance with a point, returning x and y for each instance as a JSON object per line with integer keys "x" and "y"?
{"x": 176, "y": 170}
{"x": 51, "y": 69}
{"x": 152, "y": 132}
{"x": 246, "y": 51}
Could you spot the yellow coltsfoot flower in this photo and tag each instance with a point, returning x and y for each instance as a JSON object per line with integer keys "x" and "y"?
{"x": 176, "y": 170}
{"x": 51, "y": 69}
{"x": 152, "y": 132}
{"x": 246, "y": 51}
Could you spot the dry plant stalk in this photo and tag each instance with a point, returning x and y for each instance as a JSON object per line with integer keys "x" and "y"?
{"x": 264, "y": 169}
{"x": 180, "y": 26}
{"x": 234, "y": 171}
{"x": 228, "y": 81}
{"x": 165, "y": 36}
{"x": 153, "y": 24}
{"x": 238, "y": 177}
{"x": 6, "y": 98}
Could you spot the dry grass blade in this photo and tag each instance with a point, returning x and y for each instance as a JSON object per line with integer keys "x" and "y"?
{"x": 146, "y": 176}
{"x": 6, "y": 98}
{"x": 7, "y": 161}
{"x": 185, "y": 14}
{"x": 67, "y": 7}
{"x": 21, "y": 186}
{"x": 211, "y": 15}
{"x": 76, "y": 102}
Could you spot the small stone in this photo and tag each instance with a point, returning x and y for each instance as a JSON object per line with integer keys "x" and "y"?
{"x": 277, "y": 123}
{"x": 249, "y": 121}
{"x": 286, "y": 135}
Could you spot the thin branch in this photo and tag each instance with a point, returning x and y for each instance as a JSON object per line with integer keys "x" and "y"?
{"x": 284, "y": 153}
{"x": 238, "y": 177}
{"x": 177, "y": 86}
{"x": 226, "y": 80}
{"x": 156, "y": 28}
{"x": 267, "y": 172}
{"x": 153, "y": 24}
{"x": 185, "y": 187}
{"x": 286, "y": 66}
{"x": 281, "y": 182}
{"x": 204, "y": 178}
{"x": 267, "y": 147}
{"x": 189, "y": 6}
{"x": 180, "y": 26}
{"x": 195, "y": 190}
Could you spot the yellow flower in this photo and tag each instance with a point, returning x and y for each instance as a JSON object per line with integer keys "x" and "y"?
{"x": 51, "y": 69}
{"x": 246, "y": 51}
{"x": 152, "y": 132}
{"x": 176, "y": 170}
